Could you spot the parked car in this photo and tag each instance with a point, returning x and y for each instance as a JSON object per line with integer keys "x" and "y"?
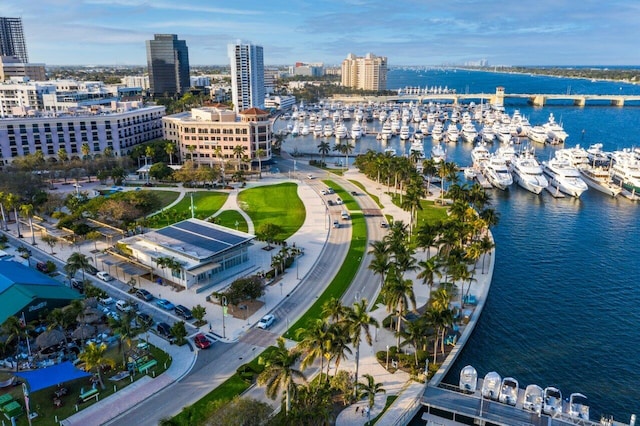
{"x": 144, "y": 319}
{"x": 266, "y": 321}
{"x": 330, "y": 191}
{"x": 163, "y": 329}
{"x": 42, "y": 267}
{"x": 107, "y": 300}
{"x": 77, "y": 284}
{"x": 201, "y": 341}
{"x": 143, "y": 294}
{"x": 165, "y": 304}
{"x": 183, "y": 312}
{"x": 104, "y": 276}
{"x": 90, "y": 269}
{"x": 124, "y": 306}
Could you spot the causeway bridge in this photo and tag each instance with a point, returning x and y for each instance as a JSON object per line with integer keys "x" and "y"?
{"x": 497, "y": 98}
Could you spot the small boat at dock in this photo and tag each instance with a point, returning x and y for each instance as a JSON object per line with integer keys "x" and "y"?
{"x": 491, "y": 385}
{"x": 533, "y": 396}
{"x": 552, "y": 403}
{"x": 468, "y": 379}
{"x": 578, "y": 406}
{"x": 509, "y": 391}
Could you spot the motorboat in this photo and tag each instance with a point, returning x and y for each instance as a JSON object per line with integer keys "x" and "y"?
{"x": 491, "y": 385}
{"x": 318, "y": 130}
{"x": 327, "y": 130}
{"x": 552, "y": 402}
{"x": 555, "y": 132}
{"x": 577, "y": 155}
{"x": 424, "y": 127}
{"x": 578, "y": 406}
{"x": 438, "y": 153}
{"x": 468, "y": 379}
{"x": 341, "y": 131}
{"x": 503, "y": 133}
{"x": 469, "y": 132}
{"x": 596, "y": 156}
{"x": 295, "y": 131}
{"x": 625, "y": 171}
{"x": 386, "y": 132}
{"x": 487, "y": 133}
{"x": 356, "y": 130}
{"x": 564, "y": 177}
{"x": 452, "y": 132}
{"x": 599, "y": 179}
{"x": 417, "y": 150}
{"x": 533, "y": 396}
{"x": 497, "y": 172}
{"x": 437, "y": 132}
{"x": 395, "y": 126}
{"x": 508, "y": 391}
{"x": 470, "y": 173}
{"x": 405, "y": 133}
{"x": 537, "y": 134}
{"x": 305, "y": 130}
{"x": 418, "y": 135}
{"x": 479, "y": 155}
{"x": 527, "y": 173}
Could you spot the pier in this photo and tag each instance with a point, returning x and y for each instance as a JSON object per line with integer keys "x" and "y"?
{"x": 497, "y": 98}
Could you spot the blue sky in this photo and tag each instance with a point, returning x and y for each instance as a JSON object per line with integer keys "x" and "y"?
{"x": 408, "y": 32}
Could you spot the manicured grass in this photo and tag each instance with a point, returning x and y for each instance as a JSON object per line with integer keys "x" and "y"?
{"x": 430, "y": 212}
{"x": 229, "y": 218}
{"x": 345, "y": 274}
{"x": 206, "y": 203}
{"x": 348, "y": 201}
{"x": 278, "y": 204}
{"x": 167, "y": 197}
{"x": 373, "y": 197}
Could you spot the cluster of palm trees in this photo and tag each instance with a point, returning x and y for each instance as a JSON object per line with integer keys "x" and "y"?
{"x": 10, "y": 201}
{"x": 330, "y": 339}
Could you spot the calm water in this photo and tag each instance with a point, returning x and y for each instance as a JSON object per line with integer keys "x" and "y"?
{"x": 564, "y": 305}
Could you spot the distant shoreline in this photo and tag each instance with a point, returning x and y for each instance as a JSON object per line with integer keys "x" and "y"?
{"x": 527, "y": 71}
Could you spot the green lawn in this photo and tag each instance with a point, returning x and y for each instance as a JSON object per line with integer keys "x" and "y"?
{"x": 278, "y": 204}
{"x": 167, "y": 197}
{"x": 348, "y": 201}
{"x": 229, "y": 218}
{"x": 373, "y": 197}
{"x": 430, "y": 212}
{"x": 206, "y": 203}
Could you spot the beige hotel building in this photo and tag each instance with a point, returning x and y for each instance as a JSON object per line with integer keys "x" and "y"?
{"x": 207, "y": 128}
{"x": 366, "y": 73}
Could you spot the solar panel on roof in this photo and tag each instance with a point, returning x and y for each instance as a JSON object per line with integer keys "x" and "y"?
{"x": 214, "y": 233}
{"x": 194, "y": 240}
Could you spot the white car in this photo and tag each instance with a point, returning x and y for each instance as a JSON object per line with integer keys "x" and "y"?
{"x": 107, "y": 300}
{"x": 124, "y": 306}
{"x": 310, "y": 176}
{"x": 104, "y": 276}
{"x": 266, "y": 321}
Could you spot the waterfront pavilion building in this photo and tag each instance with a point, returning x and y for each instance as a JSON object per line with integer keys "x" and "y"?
{"x": 207, "y": 253}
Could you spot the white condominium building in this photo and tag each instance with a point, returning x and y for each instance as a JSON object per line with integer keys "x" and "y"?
{"x": 366, "y": 73}
{"x": 247, "y": 76}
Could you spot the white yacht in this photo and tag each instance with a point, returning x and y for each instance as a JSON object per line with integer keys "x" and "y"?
{"x": 533, "y": 396}
{"x": 491, "y": 385}
{"x": 507, "y": 152}
{"x": 327, "y": 130}
{"x": 537, "y": 134}
{"x": 527, "y": 173}
{"x": 341, "y": 131}
{"x": 318, "y": 130}
{"x": 305, "y": 130}
{"x": 452, "y": 132}
{"x": 468, "y": 379}
{"x": 509, "y": 391}
{"x": 418, "y": 135}
{"x": 503, "y": 133}
{"x": 596, "y": 156}
{"x": 356, "y": 130}
{"x": 469, "y": 132}
{"x": 386, "y": 132}
{"x": 437, "y": 132}
{"x": 578, "y": 406}
{"x": 395, "y": 126}
{"x": 424, "y": 127}
{"x": 497, "y": 172}
{"x": 552, "y": 402}
{"x": 438, "y": 153}
{"x": 488, "y": 135}
{"x": 555, "y": 132}
{"x": 295, "y": 130}
{"x": 625, "y": 171}
{"x": 417, "y": 150}
{"x": 577, "y": 156}
{"x": 405, "y": 133}
{"x": 564, "y": 177}
{"x": 599, "y": 179}
{"x": 480, "y": 155}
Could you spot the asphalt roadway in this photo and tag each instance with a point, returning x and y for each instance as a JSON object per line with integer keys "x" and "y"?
{"x": 214, "y": 366}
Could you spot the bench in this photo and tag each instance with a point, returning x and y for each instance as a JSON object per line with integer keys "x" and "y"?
{"x": 91, "y": 393}
{"x": 147, "y": 365}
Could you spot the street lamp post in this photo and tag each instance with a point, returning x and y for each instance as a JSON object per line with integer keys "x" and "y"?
{"x": 224, "y": 308}
{"x": 387, "y": 357}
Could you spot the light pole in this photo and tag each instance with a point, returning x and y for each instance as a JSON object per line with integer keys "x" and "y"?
{"x": 387, "y": 357}
{"x": 224, "y": 308}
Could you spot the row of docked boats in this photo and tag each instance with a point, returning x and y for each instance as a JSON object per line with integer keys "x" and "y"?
{"x": 572, "y": 171}
{"x": 534, "y": 398}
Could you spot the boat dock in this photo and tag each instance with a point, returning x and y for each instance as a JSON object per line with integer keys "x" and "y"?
{"x": 448, "y": 403}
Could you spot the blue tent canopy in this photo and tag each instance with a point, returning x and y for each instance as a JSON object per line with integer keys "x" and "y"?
{"x": 51, "y": 376}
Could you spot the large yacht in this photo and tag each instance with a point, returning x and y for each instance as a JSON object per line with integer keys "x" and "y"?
{"x": 469, "y": 132}
{"x": 317, "y": 129}
{"x": 341, "y": 131}
{"x": 452, "y": 132}
{"x": 479, "y": 155}
{"x": 577, "y": 156}
{"x": 625, "y": 171}
{"x": 405, "y": 133}
{"x": 527, "y": 173}
{"x": 438, "y": 153}
{"x": 437, "y": 132}
{"x": 565, "y": 177}
{"x": 596, "y": 156}
{"x": 497, "y": 172}
{"x": 386, "y": 132}
{"x": 537, "y": 134}
{"x": 356, "y": 130}
{"x": 417, "y": 150}
{"x": 327, "y": 130}
{"x": 488, "y": 134}
{"x": 599, "y": 179}
{"x": 555, "y": 132}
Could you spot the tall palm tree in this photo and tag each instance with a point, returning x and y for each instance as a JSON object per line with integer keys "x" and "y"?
{"x": 370, "y": 389}
{"x": 427, "y": 236}
{"x": 323, "y": 148}
{"x": 27, "y": 210}
{"x": 93, "y": 357}
{"x": 486, "y": 245}
{"x": 3, "y": 201}
{"x": 430, "y": 269}
{"x": 122, "y": 326}
{"x": 334, "y": 310}
{"x": 170, "y": 149}
{"x": 260, "y": 153}
{"x": 77, "y": 262}
{"x": 415, "y": 333}
{"x": 337, "y": 344}
{"x": 279, "y": 372}
{"x": 148, "y": 153}
{"x": 313, "y": 341}
{"x": 14, "y": 329}
{"x": 358, "y": 322}
{"x": 85, "y": 149}
{"x": 238, "y": 152}
{"x": 13, "y": 201}
{"x": 429, "y": 169}
{"x": 63, "y": 157}
{"x": 380, "y": 263}
{"x": 398, "y": 293}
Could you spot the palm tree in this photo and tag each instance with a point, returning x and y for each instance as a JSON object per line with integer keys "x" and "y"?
{"x": 122, "y": 327}
{"x": 430, "y": 270}
{"x": 238, "y": 152}
{"x": 260, "y": 153}
{"x": 3, "y": 200}
{"x": 13, "y": 201}
{"x": 323, "y": 148}
{"x": 170, "y": 149}
{"x": 77, "y": 262}
{"x": 85, "y": 149}
{"x": 358, "y": 323}
{"x": 334, "y": 310}
{"x": 148, "y": 153}
{"x": 63, "y": 157}
{"x": 93, "y": 357}
{"x": 14, "y": 329}
{"x": 429, "y": 169}
{"x": 27, "y": 210}
{"x": 415, "y": 333}
{"x": 427, "y": 236}
{"x": 398, "y": 293}
{"x": 370, "y": 389}
{"x": 337, "y": 344}
{"x": 380, "y": 263}
{"x": 313, "y": 341}
{"x": 486, "y": 245}
{"x": 280, "y": 372}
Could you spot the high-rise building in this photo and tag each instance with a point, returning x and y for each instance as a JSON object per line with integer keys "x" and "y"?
{"x": 247, "y": 76}
{"x": 367, "y": 73}
{"x": 12, "y": 39}
{"x": 168, "y": 62}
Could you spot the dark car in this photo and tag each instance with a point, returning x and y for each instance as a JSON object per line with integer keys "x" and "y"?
{"x": 144, "y": 319}
{"x": 90, "y": 269}
{"x": 77, "y": 284}
{"x": 42, "y": 267}
{"x": 164, "y": 329}
{"x": 183, "y": 312}
{"x": 354, "y": 193}
{"x": 143, "y": 294}
{"x": 331, "y": 203}
{"x": 201, "y": 341}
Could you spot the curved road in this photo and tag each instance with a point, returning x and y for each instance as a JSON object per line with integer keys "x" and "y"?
{"x": 214, "y": 366}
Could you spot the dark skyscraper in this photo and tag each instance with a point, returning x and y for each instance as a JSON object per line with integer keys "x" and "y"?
{"x": 12, "y": 39}
{"x": 168, "y": 62}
